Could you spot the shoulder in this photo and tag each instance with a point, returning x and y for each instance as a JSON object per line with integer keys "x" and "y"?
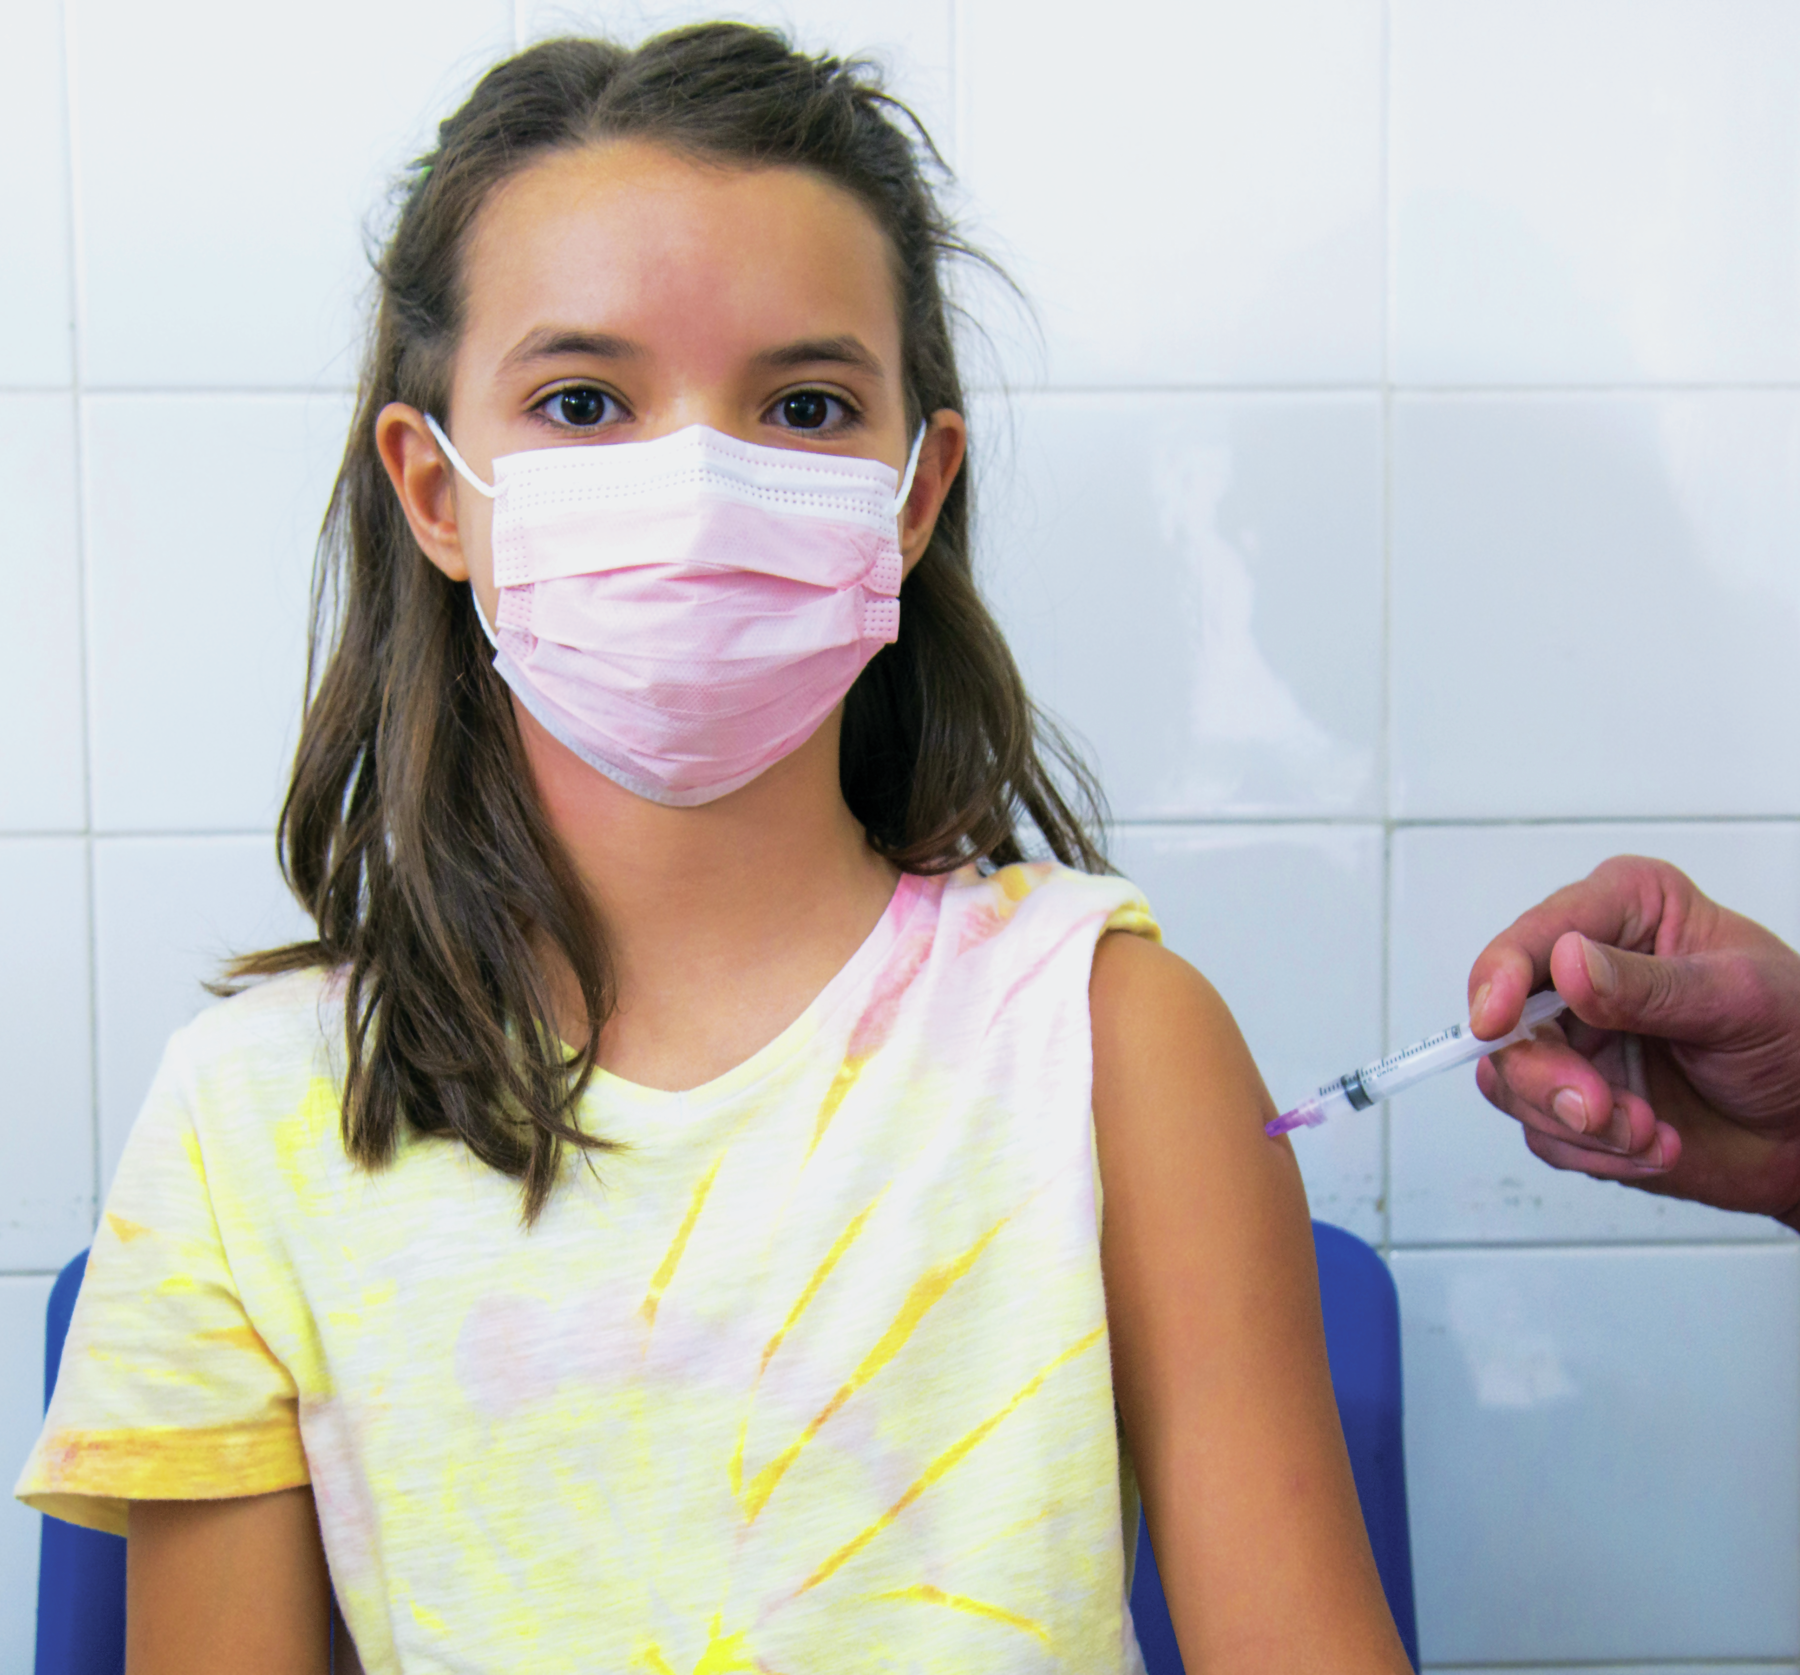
{"x": 1031, "y": 899}
{"x": 222, "y": 1106}
{"x": 1143, "y": 995}
{"x": 262, "y": 1047}
{"x": 1171, "y": 1068}
{"x": 293, "y": 1011}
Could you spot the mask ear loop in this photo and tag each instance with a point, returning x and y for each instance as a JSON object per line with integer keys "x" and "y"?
{"x": 912, "y": 466}
{"x": 469, "y": 476}
{"x": 479, "y": 487}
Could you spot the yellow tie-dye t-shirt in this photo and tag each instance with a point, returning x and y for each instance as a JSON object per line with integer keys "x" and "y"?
{"x": 811, "y": 1377}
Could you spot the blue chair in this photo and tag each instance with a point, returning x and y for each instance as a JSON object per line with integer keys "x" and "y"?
{"x": 1362, "y": 1337}
{"x": 81, "y": 1573}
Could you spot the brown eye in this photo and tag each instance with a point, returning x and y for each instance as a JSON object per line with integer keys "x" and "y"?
{"x": 806, "y": 410}
{"x": 580, "y": 407}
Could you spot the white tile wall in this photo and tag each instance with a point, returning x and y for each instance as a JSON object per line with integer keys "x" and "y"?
{"x": 35, "y": 314}
{"x": 201, "y": 516}
{"x": 1587, "y": 1457}
{"x": 43, "y": 760}
{"x": 1227, "y": 551}
{"x": 1191, "y": 193}
{"x": 231, "y": 159}
{"x": 1401, "y": 495}
{"x": 1616, "y": 569}
{"x": 1602, "y": 192}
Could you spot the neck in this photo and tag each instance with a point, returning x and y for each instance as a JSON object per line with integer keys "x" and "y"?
{"x": 753, "y": 901}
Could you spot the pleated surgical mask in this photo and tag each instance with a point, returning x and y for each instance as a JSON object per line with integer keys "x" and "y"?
{"x": 682, "y": 613}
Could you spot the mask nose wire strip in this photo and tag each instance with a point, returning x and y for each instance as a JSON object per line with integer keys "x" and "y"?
{"x": 458, "y": 461}
{"x": 474, "y": 482}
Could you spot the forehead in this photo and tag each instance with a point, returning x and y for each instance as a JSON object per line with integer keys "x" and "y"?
{"x": 640, "y": 240}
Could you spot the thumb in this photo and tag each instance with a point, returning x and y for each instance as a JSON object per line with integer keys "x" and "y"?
{"x": 1675, "y": 997}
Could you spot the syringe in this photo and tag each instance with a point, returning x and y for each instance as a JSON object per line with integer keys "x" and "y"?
{"x": 1398, "y": 1071}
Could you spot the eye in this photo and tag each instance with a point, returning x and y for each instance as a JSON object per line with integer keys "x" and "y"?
{"x": 812, "y": 410}
{"x": 580, "y": 407}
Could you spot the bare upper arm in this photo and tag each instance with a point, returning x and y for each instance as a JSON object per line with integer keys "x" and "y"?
{"x": 1218, "y": 1347}
{"x": 224, "y": 1586}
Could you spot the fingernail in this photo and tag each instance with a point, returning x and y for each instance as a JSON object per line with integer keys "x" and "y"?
{"x": 1570, "y": 1109}
{"x": 1479, "y": 1004}
{"x": 1651, "y": 1162}
{"x": 1602, "y": 973}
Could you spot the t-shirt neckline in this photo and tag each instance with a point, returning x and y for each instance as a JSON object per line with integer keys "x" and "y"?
{"x": 849, "y": 980}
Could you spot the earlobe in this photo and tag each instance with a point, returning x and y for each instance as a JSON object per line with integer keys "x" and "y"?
{"x": 941, "y": 457}
{"x": 424, "y": 484}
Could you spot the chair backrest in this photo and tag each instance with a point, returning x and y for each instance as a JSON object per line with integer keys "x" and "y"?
{"x": 81, "y": 1573}
{"x": 1362, "y": 1337}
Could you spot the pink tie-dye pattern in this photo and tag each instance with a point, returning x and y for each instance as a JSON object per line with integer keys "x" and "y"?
{"x": 876, "y": 1023}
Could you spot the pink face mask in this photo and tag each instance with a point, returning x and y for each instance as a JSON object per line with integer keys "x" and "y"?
{"x": 684, "y": 612}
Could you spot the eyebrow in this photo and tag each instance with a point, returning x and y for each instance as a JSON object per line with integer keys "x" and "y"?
{"x": 811, "y": 351}
{"x": 550, "y": 342}
{"x": 553, "y": 342}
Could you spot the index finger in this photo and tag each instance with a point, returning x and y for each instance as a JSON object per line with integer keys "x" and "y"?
{"x": 1614, "y": 904}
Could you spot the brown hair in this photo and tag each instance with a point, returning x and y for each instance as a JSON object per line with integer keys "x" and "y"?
{"x": 411, "y": 830}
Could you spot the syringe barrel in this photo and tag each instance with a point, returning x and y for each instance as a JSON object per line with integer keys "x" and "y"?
{"x": 1400, "y": 1071}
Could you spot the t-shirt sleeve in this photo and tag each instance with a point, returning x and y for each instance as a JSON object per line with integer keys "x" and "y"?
{"x": 166, "y": 1390}
{"x": 1134, "y": 917}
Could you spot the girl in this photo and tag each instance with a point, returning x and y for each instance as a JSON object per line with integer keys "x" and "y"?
{"x": 703, "y": 1202}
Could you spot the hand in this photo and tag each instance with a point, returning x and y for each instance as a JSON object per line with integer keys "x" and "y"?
{"x": 1637, "y": 951}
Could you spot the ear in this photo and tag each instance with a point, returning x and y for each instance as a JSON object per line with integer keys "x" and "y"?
{"x": 425, "y": 484}
{"x": 940, "y": 458}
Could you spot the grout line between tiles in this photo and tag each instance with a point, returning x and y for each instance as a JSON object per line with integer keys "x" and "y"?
{"x": 1386, "y": 740}
{"x": 1386, "y": 1024}
{"x": 1379, "y": 384}
{"x": 953, "y": 58}
{"x": 1477, "y": 823}
{"x": 1578, "y": 388}
{"x": 93, "y": 839}
{"x": 1383, "y": 382}
{"x": 133, "y": 835}
{"x": 1501, "y": 1247}
{"x": 197, "y": 832}
{"x": 214, "y": 392}
{"x": 1422, "y": 822}
{"x": 83, "y": 583}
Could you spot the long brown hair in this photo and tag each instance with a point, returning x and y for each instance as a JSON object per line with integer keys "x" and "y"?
{"x": 411, "y": 830}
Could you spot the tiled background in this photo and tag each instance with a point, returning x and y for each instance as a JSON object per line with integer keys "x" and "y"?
{"x": 1401, "y": 497}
